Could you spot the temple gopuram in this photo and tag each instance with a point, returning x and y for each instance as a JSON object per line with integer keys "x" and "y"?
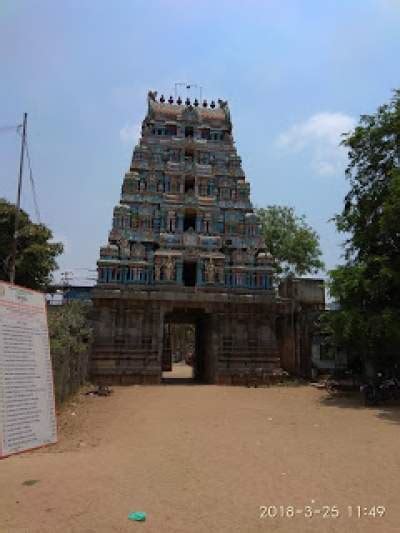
{"x": 185, "y": 247}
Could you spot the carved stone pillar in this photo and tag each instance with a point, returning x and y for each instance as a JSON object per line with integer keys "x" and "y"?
{"x": 179, "y": 271}
{"x": 199, "y": 273}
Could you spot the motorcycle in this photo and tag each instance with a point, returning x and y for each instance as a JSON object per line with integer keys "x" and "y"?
{"x": 380, "y": 391}
{"x": 371, "y": 394}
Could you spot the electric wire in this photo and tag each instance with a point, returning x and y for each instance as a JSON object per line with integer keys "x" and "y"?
{"x": 4, "y": 129}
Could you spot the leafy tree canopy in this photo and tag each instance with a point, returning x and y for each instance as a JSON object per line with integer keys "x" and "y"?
{"x": 290, "y": 240}
{"x": 69, "y": 328}
{"x": 368, "y": 284}
{"x": 36, "y": 256}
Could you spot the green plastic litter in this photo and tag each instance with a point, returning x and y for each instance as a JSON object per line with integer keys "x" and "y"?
{"x": 138, "y": 516}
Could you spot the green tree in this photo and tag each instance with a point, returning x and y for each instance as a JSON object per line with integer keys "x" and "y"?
{"x": 367, "y": 286}
{"x": 290, "y": 240}
{"x": 36, "y": 256}
{"x": 69, "y": 328}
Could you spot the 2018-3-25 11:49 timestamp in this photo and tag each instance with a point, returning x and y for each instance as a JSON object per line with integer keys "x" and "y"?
{"x": 323, "y": 511}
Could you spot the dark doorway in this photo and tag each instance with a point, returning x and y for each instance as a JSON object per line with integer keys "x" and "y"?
{"x": 170, "y": 129}
{"x": 189, "y": 184}
{"x": 188, "y": 131}
{"x": 205, "y": 133}
{"x": 189, "y": 273}
{"x": 189, "y": 220}
{"x": 187, "y": 348}
{"x": 189, "y": 156}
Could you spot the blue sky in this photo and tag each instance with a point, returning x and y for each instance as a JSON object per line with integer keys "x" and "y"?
{"x": 296, "y": 74}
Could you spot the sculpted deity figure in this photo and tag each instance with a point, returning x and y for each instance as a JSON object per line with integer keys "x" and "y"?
{"x": 210, "y": 271}
{"x": 151, "y": 97}
{"x": 224, "y": 106}
{"x": 157, "y": 269}
{"x": 169, "y": 269}
{"x": 138, "y": 251}
{"x": 152, "y": 183}
{"x": 124, "y": 247}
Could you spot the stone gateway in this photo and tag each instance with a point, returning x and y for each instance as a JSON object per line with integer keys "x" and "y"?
{"x": 185, "y": 246}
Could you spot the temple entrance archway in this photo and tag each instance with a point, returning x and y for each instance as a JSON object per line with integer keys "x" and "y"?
{"x": 187, "y": 355}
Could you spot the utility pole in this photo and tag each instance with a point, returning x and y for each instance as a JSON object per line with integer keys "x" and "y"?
{"x": 17, "y": 212}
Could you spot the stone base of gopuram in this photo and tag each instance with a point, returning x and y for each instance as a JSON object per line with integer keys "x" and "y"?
{"x": 235, "y": 335}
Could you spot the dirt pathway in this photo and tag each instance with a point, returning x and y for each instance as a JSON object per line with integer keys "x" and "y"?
{"x": 204, "y": 459}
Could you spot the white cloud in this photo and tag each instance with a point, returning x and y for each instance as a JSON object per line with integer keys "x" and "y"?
{"x": 319, "y": 136}
{"x": 130, "y": 133}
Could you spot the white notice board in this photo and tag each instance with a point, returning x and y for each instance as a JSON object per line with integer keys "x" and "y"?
{"x": 27, "y": 412}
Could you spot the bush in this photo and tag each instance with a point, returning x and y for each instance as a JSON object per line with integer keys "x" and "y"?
{"x": 70, "y": 338}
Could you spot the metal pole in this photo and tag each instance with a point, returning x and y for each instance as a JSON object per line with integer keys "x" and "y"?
{"x": 17, "y": 211}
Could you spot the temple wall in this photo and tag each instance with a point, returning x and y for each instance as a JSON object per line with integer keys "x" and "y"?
{"x": 128, "y": 342}
{"x": 247, "y": 346}
{"x": 236, "y": 341}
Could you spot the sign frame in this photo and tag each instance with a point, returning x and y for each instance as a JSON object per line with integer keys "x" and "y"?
{"x": 20, "y": 293}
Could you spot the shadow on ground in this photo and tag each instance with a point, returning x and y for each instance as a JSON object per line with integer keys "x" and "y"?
{"x": 181, "y": 381}
{"x": 354, "y": 400}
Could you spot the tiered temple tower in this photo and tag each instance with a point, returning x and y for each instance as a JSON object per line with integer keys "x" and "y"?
{"x": 185, "y": 216}
{"x": 185, "y": 244}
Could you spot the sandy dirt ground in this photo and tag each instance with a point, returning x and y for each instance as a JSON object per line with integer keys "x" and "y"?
{"x": 179, "y": 371}
{"x": 199, "y": 458}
